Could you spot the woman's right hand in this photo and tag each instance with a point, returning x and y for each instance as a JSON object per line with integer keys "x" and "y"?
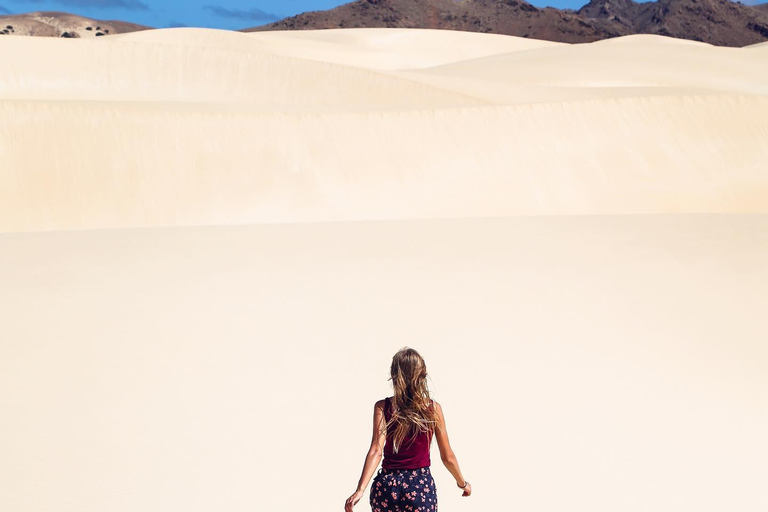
{"x": 467, "y": 490}
{"x": 352, "y": 501}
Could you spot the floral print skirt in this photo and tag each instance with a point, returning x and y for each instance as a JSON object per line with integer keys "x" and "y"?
{"x": 403, "y": 490}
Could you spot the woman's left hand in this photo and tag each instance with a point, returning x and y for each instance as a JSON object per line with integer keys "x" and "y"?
{"x": 352, "y": 501}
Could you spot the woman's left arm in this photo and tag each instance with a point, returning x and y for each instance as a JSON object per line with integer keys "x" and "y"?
{"x": 373, "y": 457}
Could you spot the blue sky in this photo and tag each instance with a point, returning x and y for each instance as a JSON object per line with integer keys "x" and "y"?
{"x": 227, "y": 14}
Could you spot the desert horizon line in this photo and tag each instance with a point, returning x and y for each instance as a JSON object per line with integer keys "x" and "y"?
{"x": 270, "y": 18}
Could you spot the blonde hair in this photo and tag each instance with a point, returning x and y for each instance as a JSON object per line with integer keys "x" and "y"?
{"x": 410, "y": 404}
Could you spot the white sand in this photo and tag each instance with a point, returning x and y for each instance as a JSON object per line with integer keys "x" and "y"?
{"x": 229, "y": 357}
{"x": 137, "y": 130}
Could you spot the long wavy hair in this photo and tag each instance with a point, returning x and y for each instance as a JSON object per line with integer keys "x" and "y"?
{"x": 411, "y": 411}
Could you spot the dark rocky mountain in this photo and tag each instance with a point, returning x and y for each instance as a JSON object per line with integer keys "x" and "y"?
{"x": 719, "y": 22}
{"x": 622, "y": 12}
{"x": 516, "y": 17}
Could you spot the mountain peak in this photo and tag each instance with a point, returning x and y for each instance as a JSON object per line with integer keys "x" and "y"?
{"x": 609, "y": 9}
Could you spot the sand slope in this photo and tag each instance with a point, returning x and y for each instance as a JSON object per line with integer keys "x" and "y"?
{"x": 345, "y": 125}
{"x": 180, "y": 368}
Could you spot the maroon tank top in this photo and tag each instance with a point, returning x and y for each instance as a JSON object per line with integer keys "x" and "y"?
{"x": 412, "y": 455}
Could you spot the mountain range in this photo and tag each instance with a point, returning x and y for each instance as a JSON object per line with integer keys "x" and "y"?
{"x": 717, "y": 22}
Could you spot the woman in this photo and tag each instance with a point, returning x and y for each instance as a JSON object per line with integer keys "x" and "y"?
{"x": 403, "y": 425}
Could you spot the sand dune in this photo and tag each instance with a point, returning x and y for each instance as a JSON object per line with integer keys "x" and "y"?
{"x": 122, "y": 70}
{"x": 223, "y": 168}
{"x": 394, "y": 49}
{"x": 615, "y": 64}
{"x": 368, "y": 48}
{"x": 307, "y": 127}
{"x": 574, "y": 236}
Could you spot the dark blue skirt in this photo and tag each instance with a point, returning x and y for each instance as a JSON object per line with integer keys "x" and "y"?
{"x": 403, "y": 490}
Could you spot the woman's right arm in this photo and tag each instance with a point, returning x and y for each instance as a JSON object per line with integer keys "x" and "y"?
{"x": 446, "y": 453}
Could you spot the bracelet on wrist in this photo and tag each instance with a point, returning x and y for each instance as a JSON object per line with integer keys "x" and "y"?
{"x": 466, "y": 483}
